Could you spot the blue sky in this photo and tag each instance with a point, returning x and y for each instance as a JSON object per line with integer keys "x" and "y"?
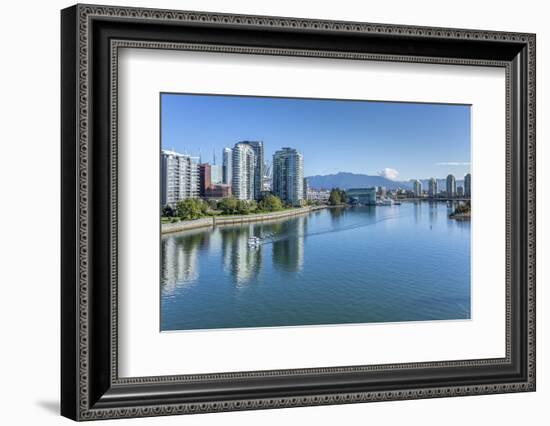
{"x": 398, "y": 140}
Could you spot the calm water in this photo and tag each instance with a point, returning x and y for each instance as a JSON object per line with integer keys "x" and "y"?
{"x": 333, "y": 266}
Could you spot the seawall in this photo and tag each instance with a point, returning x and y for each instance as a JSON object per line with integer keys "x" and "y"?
{"x": 186, "y": 225}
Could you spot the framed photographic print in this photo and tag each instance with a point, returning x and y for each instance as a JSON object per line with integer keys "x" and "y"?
{"x": 263, "y": 212}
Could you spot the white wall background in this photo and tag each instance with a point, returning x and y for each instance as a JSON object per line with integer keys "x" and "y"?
{"x": 29, "y": 212}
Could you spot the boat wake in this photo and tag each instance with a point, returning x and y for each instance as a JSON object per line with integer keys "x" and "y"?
{"x": 269, "y": 238}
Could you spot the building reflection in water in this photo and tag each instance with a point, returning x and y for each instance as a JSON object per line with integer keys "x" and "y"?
{"x": 241, "y": 261}
{"x": 180, "y": 259}
{"x": 450, "y": 207}
{"x": 433, "y": 211}
{"x": 288, "y": 247}
{"x": 417, "y": 211}
{"x": 180, "y": 253}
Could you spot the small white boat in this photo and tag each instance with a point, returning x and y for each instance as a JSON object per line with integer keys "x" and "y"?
{"x": 254, "y": 241}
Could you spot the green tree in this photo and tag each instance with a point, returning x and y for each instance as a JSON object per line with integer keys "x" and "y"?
{"x": 228, "y": 205}
{"x": 213, "y": 204}
{"x": 167, "y": 211}
{"x": 191, "y": 208}
{"x": 203, "y": 206}
{"x": 343, "y": 197}
{"x": 335, "y": 197}
{"x": 243, "y": 207}
{"x": 270, "y": 203}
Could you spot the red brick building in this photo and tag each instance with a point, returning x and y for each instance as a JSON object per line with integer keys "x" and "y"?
{"x": 219, "y": 191}
{"x": 205, "y": 179}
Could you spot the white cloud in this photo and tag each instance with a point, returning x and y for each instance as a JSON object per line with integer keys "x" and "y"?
{"x": 453, "y": 163}
{"x": 389, "y": 173}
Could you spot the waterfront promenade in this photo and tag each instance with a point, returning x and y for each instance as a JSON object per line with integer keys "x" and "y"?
{"x": 185, "y": 225}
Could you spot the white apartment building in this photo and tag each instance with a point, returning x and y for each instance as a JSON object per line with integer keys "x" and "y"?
{"x": 179, "y": 177}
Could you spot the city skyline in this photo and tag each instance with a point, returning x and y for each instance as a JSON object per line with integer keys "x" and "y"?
{"x": 243, "y": 176}
{"x": 225, "y": 172}
{"x": 254, "y": 231}
{"x": 399, "y": 141}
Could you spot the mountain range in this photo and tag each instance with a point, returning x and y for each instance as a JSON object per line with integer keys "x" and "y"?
{"x": 345, "y": 180}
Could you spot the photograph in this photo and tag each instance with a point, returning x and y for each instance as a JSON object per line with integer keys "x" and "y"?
{"x": 279, "y": 212}
{"x": 264, "y": 209}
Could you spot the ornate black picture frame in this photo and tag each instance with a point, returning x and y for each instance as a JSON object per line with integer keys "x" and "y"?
{"x": 91, "y": 37}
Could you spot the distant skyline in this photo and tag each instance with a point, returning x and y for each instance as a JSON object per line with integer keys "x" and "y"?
{"x": 400, "y": 141}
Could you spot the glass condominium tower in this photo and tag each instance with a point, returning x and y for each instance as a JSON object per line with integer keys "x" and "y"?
{"x": 432, "y": 187}
{"x": 227, "y": 166}
{"x": 258, "y": 148}
{"x": 451, "y": 186}
{"x": 288, "y": 176}
{"x": 468, "y": 185}
{"x": 243, "y": 166}
{"x": 417, "y": 188}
